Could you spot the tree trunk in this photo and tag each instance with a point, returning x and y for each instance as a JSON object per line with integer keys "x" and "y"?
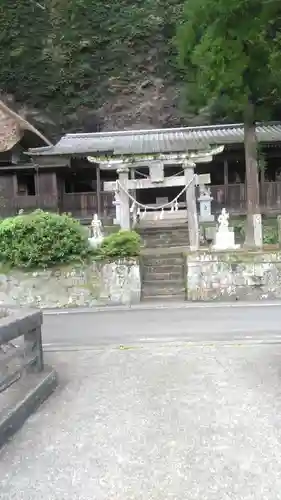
{"x": 253, "y": 225}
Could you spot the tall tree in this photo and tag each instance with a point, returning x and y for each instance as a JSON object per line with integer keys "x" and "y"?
{"x": 230, "y": 51}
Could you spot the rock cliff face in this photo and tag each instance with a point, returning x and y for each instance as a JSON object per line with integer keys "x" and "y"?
{"x": 71, "y": 67}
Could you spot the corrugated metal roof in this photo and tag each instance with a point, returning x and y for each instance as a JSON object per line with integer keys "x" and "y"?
{"x": 157, "y": 140}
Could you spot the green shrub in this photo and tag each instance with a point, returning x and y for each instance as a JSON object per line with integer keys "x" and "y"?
{"x": 269, "y": 232}
{"x": 123, "y": 244}
{"x": 41, "y": 239}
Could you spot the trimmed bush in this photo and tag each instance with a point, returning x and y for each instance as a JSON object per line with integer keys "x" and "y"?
{"x": 41, "y": 239}
{"x": 120, "y": 245}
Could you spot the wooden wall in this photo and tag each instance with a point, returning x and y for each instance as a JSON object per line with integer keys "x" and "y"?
{"x": 6, "y": 194}
{"x": 47, "y": 190}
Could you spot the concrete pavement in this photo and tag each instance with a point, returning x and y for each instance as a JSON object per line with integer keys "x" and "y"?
{"x": 154, "y": 422}
{"x": 162, "y": 415}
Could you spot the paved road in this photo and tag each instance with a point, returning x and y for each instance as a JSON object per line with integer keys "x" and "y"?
{"x": 159, "y": 420}
{"x": 256, "y": 322}
{"x": 154, "y": 422}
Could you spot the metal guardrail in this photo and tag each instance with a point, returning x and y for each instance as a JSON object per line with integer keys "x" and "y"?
{"x": 15, "y": 361}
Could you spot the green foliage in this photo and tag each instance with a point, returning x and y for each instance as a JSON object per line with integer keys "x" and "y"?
{"x": 74, "y": 53}
{"x": 230, "y": 52}
{"x": 41, "y": 239}
{"x": 270, "y": 232}
{"x": 120, "y": 245}
{"x": 270, "y": 235}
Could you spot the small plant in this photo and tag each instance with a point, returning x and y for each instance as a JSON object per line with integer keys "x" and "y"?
{"x": 120, "y": 245}
{"x": 270, "y": 235}
{"x": 41, "y": 239}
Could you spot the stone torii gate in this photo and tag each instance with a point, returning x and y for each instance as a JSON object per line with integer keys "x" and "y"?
{"x": 157, "y": 179}
{"x": 156, "y": 165}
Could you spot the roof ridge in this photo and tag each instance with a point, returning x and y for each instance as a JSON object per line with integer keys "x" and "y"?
{"x": 158, "y": 140}
{"x": 120, "y": 133}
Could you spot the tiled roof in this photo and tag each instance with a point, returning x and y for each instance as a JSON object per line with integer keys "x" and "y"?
{"x": 12, "y": 127}
{"x": 157, "y": 140}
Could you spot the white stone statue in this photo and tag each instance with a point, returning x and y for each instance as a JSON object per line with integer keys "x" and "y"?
{"x": 96, "y": 232}
{"x": 223, "y": 220}
{"x": 224, "y": 238}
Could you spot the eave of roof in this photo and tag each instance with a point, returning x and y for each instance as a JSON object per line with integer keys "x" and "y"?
{"x": 141, "y": 142}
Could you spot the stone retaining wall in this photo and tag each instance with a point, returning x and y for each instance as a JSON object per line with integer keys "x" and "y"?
{"x": 233, "y": 276}
{"x": 96, "y": 284}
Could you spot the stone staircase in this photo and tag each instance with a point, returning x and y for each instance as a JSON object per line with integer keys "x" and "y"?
{"x": 164, "y": 236}
{"x": 163, "y": 276}
{"x": 162, "y": 261}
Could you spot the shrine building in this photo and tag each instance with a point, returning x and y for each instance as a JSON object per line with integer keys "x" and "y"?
{"x": 145, "y": 172}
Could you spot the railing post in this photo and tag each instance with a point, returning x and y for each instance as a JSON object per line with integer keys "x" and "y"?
{"x": 33, "y": 350}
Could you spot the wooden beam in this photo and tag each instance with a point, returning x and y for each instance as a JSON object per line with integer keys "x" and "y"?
{"x": 132, "y": 184}
{"x": 146, "y": 163}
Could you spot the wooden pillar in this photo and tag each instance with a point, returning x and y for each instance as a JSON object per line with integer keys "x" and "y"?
{"x": 254, "y": 221}
{"x": 98, "y": 192}
{"x": 225, "y": 179}
{"x": 37, "y": 188}
{"x": 14, "y": 206}
{"x": 133, "y": 176}
{"x": 123, "y": 174}
{"x": 192, "y": 217}
{"x": 262, "y": 188}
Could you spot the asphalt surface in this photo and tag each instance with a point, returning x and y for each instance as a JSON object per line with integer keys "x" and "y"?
{"x": 256, "y": 322}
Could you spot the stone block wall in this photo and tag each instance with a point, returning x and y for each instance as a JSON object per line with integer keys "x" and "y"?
{"x": 114, "y": 283}
{"x": 235, "y": 275}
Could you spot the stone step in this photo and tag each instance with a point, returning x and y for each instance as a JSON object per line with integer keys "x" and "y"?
{"x": 174, "y": 226}
{"x": 159, "y": 275}
{"x": 162, "y": 260}
{"x": 164, "y": 241}
{"x": 172, "y": 233}
{"x": 149, "y": 223}
{"x": 164, "y": 237}
{"x": 163, "y": 288}
{"x": 162, "y": 293}
{"x": 155, "y": 244}
{"x": 166, "y": 298}
{"x": 164, "y": 268}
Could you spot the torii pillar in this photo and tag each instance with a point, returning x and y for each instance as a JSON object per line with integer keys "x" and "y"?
{"x": 191, "y": 207}
{"x": 123, "y": 199}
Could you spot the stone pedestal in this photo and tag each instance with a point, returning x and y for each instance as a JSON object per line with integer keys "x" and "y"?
{"x": 193, "y": 228}
{"x": 224, "y": 240}
{"x": 124, "y": 207}
{"x": 205, "y": 208}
